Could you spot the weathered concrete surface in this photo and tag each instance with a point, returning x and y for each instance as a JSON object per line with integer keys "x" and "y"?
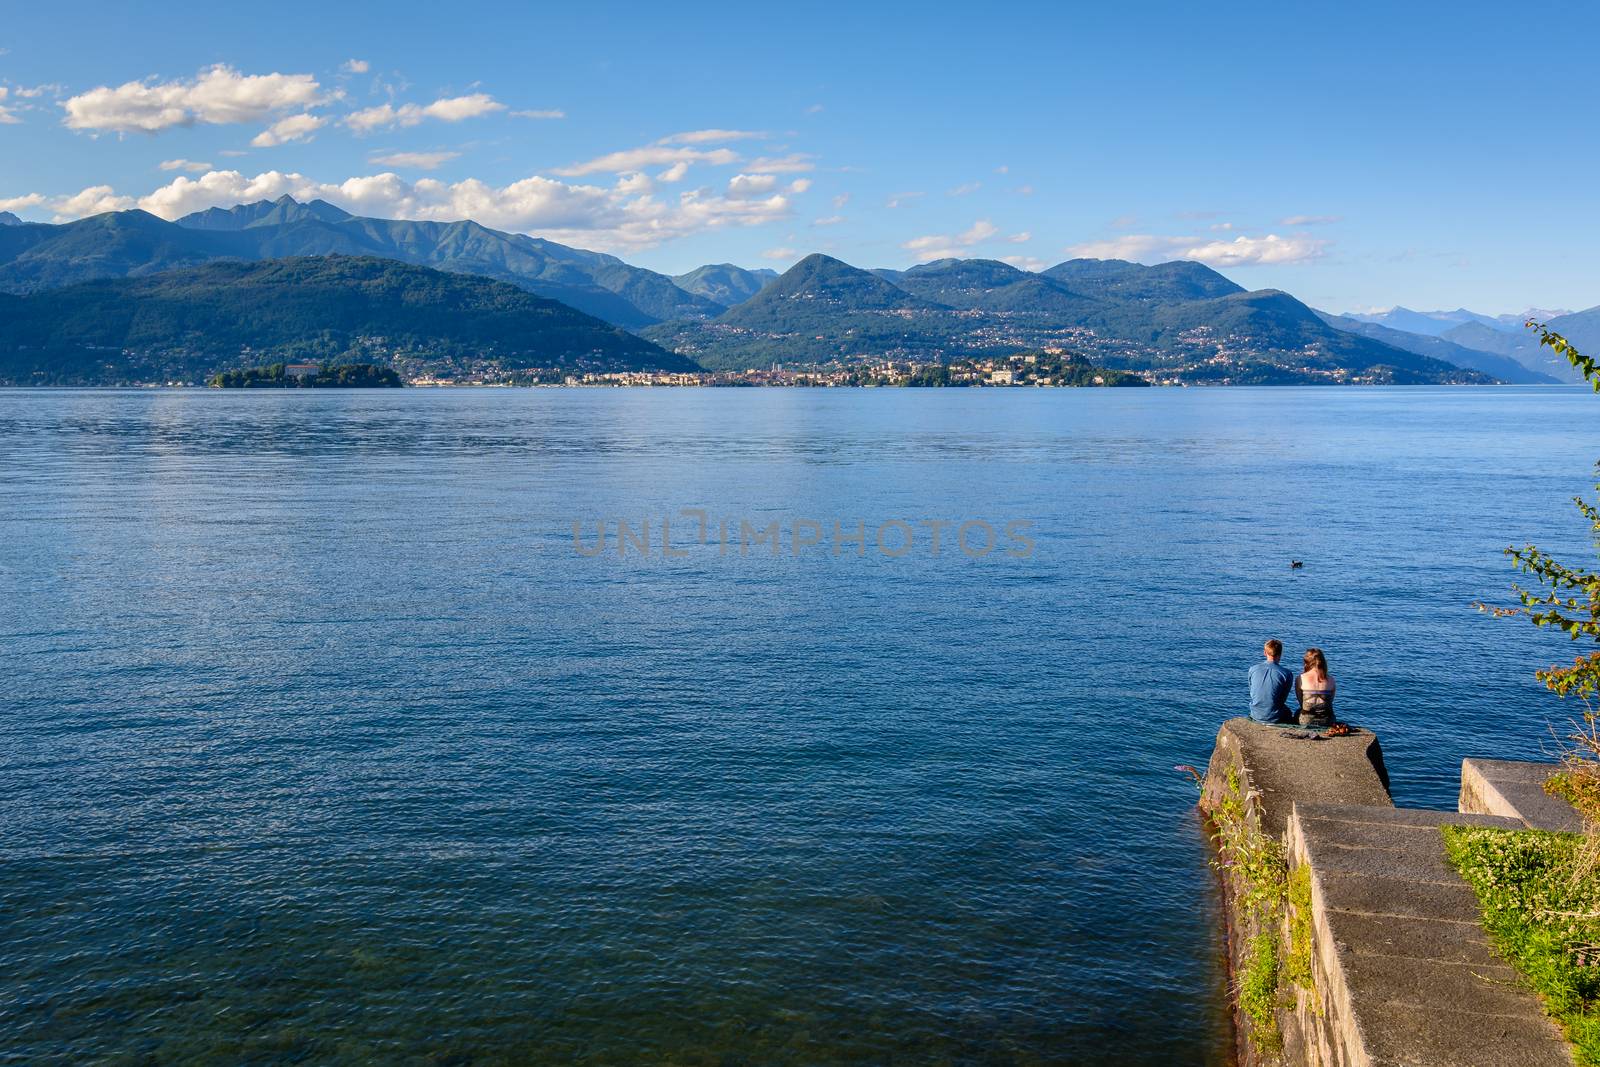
{"x": 1281, "y": 764}
{"x": 1403, "y": 971}
{"x": 1272, "y": 766}
{"x": 1515, "y": 790}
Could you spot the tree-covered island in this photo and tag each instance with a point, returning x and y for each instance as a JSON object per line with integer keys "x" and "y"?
{"x": 308, "y": 376}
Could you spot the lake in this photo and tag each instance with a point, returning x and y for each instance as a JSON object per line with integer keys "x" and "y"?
{"x": 327, "y": 740}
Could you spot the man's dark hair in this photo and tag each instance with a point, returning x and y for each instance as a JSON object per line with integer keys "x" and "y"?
{"x": 1274, "y": 648}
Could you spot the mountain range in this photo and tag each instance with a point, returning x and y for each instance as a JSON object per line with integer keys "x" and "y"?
{"x": 1178, "y": 321}
{"x": 1499, "y": 365}
{"x": 189, "y": 323}
{"x": 1438, "y": 323}
{"x": 1582, "y": 328}
{"x": 131, "y": 243}
{"x": 1505, "y": 337}
{"x": 1181, "y": 320}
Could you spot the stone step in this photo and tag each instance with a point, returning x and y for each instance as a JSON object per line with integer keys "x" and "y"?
{"x": 1400, "y": 943}
{"x": 1515, "y": 789}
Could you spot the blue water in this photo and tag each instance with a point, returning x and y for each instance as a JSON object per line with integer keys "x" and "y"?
{"x": 324, "y": 743}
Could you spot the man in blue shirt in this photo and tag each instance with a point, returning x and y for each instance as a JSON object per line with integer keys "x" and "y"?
{"x": 1270, "y": 683}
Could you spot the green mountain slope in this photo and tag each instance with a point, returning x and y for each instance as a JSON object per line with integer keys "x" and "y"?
{"x": 725, "y": 283}
{"x": 134, "y": 243}
{"x": 820, "y": 309}
{"x": 823, "y": 310}
{"x": 115, "y": 245}
{"x": 989, "y": 285}
{"x": 1119, "y": 280}
{"x": 187, "y": 324}
{"x": 599, "y": 284}
{"x": 819, "y": 284}
{"x": 1270, "y": 328}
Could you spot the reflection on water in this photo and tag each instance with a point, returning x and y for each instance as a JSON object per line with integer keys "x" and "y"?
{"x": 323, "y": 743}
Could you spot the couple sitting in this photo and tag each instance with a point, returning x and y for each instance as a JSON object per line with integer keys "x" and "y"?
{"x": 1270, "y": 683}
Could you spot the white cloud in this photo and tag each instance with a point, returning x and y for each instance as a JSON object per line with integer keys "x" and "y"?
{"x": 1025, "y": 262}
{"x": 219, "y": 95}
{"x": 382, "y": 116}
{"x": 1310, "y": 220}
{"x": 964, "y": 190}
{"x": 841, "y": 200}
{"x": 800, "y": 185}
{"x": 745, "y": 186}
{"x": 445, "y": 109}
{"x": 978, "y": 232}
{"x": 814, "y": 109}
{"x": 1002, "y": 169}
{"x": 901, "y": 199}
{"x": 793, "y": 163}
{"x": 1024, "y": 190}
{"x": 950, "y": 246}
{"x": 22, "y": 203}
{"x": 640, "y": 183}
{"x": 626, "y": 217}
{"x": 190, "y": 165}
{"x": 677, "y": 152}
{"x": 7, "y": 116}
{"x": 1142, "y": 247}
{"x": 780, "y": 254}
{"x": 355, "y": 66}
{"x": 538, "y": 113}
{"x": 1241, "y": 251}
{"x": 1020, "y": 238}
{"x": 460, "y": 108}
{"x": 415, "y": 160}
{"x": 293, "y": 128}
{"x": 831, "y": 220}
{"x": 711, "y": 136}
{"x": 91, "y": 201}
{"x": 632, "y": 159}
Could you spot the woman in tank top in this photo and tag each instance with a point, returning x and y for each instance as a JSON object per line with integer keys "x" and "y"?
{"x": 1314, "y": 688}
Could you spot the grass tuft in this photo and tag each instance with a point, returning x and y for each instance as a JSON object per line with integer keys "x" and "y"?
{"x": 1258, "y": 990}
{"x": 1542, "y": 910}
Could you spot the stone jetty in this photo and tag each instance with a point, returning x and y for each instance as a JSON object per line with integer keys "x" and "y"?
{"x": 1389, "y": 961}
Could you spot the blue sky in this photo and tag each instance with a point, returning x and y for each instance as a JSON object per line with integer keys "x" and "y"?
{"x": 1356, "y": 155}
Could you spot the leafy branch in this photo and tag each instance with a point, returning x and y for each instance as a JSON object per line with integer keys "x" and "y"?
{"x": 1585, "y": 365}
{"x": 1568, "y": 599}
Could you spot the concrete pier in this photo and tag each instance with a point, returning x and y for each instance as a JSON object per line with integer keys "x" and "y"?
{"x": 1400, "y": 969}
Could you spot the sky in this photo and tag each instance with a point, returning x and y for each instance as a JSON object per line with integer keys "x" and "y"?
{"x": 1358, "y": 156}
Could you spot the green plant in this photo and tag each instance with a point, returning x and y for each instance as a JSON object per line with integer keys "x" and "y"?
{"x": 1568, "y": 599}
{"x": 1253, "y": 857}
{"x": 1268, "y": 894}
{"x": 1540, "y": 917}
{"x": 1258, "y": 989}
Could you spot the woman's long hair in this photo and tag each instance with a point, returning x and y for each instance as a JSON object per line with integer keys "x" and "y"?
{"x": 1316, "y": 661}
